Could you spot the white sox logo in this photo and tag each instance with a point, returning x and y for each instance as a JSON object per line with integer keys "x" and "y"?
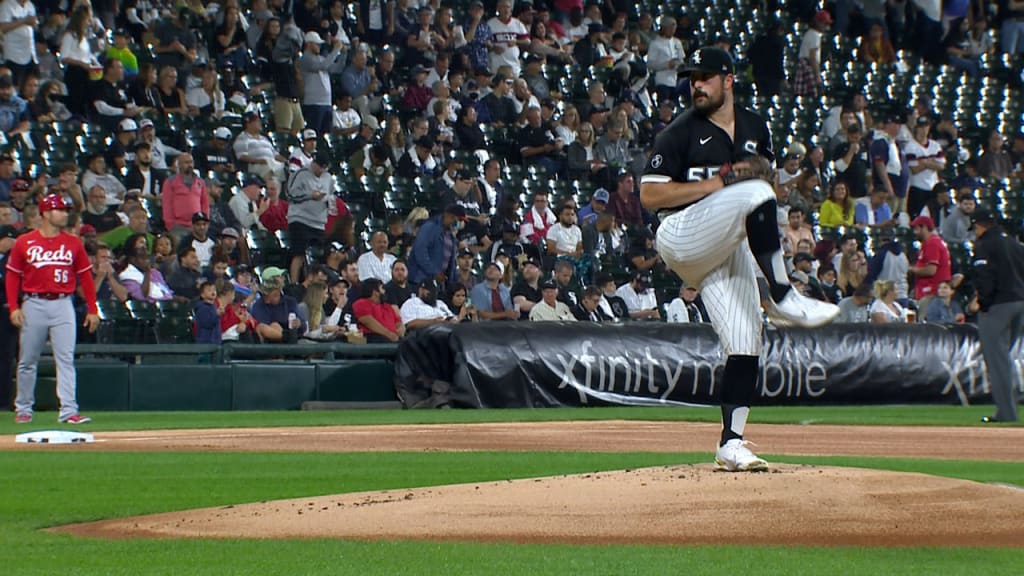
{"x": 39, "y": 258}
{"x": 656, "y": 161}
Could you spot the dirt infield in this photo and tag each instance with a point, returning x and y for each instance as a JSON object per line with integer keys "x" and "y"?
{"x": 806, "y": 505}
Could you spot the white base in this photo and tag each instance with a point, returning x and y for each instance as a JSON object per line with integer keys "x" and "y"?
{"x": 54, "y": 437}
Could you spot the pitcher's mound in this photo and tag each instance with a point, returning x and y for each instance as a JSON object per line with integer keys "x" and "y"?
{"x": 665, "y": 505}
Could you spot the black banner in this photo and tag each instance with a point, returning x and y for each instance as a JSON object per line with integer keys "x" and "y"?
{"x": 542, "y": 364}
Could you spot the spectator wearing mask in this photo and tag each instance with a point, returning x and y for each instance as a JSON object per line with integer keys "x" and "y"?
{"x": 491, "y": 298}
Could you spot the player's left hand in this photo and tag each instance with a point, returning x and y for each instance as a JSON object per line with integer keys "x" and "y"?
{"x": 92, "y": 321}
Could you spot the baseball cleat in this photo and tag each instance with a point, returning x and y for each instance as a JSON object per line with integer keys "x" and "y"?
{"x": 799, "y": 310}
{"x": 75, "y": 419}
{"x": 734, "y": 456}
{"x": 23, "y": 419}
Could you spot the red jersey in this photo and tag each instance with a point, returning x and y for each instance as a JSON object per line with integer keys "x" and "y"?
{"x": 41, "y": 265}
{"x": 933, "y": 251}
{"x": 382, "y": 312}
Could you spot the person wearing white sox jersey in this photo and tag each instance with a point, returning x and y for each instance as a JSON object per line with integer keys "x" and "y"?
{"x": 43, "y": 270}
{"x": 707, "y": 178}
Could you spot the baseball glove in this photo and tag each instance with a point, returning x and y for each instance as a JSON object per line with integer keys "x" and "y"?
{"x": 755, "y": 167}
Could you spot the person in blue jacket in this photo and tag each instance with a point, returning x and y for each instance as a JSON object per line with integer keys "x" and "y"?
{"x": 433, "y": 252}
{"x": 207, "y": 316}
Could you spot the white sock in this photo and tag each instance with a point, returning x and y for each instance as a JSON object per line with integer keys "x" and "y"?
{"x": 739, "y": 420}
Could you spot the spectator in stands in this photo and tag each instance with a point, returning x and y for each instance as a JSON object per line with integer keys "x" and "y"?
{"x": 425, "y": 309}
{"x": 108, "y": 287}
{"x": 108, "y": 101}
{"x": 958, "y": 48}
{"x": 378, "y": 320}
{"x": 417, "y": 93}
{"x": 1017, "y": 154}
{"x": 583, "y": 162}
{"x": 309, "y": 192}
{"x": 926, "y": 160}
{"x": 7, "y": 176}
{"x": 398, "y": 289}
{"x": 890, "y": 264}
{"x": 96, "y": 174}
{"x": 464, "y": 273}
{"x": 316, "y": 95}
{"x": 664, "y": 56}
{"x": 221, "y": 216}
{"x": 277, "y": 314}
{"x": 803, "y": 261}
{"x": 688, "y": 307}
{"x": 852, "y": 271}
{"x": 231, "y": 39}
{"x": 612, "y": 148}
{"x": 256, "y": 151}
{"x": 956, "y": 228}
{"x": 526, "y": 291}
{"x": 498, "y": 108}
{"x": 589, "y": 308}
{"x": 317, "y": 273}
{"x": 538, "y": 219}
{"x": 169, "y": 91}
{"x": 459, "y": 304}
{"x": 838, "y": 210}
{"x": 18, "y": 23}
{"x": 852, "y": 162}
{"x": 889, "y": 169}
{"x": 78, "y": 59}
{"x": 603, "y": 238}
{"x": 827, "y": 280}
{"x": 643, "y": 256}
{"x": 275, "y": 217}
{"x": 176, "y": 43}
{"x": 320, "y": 326}
{"x": 491, "y": 298}
{"x": 206, "y": 99}
{"x": 549, "y": 308}
{"x": 182, "y": 196}
{"x": 115, "y": 238}
{"x": 639, "y": 298}
{"x": 47, "y": 106}
{"x": 856, "y": 307}
{"x": 419, "y": 160}
{"x": 597, "y": 205}
{"x": 229, "y": 246}
{"x": 939, "y": 206}
{"x": 377, "y": 262}
{"x": 199, "y": 239}
{"x": 807, "y": 80}
{"x": 236, "y": 324}
{"x": 875, "y": 48}
{"x": 933, "y": 263}
{"x": 14, "y": 110}
{"x": 102, "y": 217}
{"x": 995, "y": 163}
{"x": 611, "y": 304}
{"x": 797, "y": 229}
{"x": 875, "y": 213}
{"x": 789, "y": 174}
{"x": 624, "y": 203}
{"x": 943, "y": 309}
{"x": 142, "y": 282}
{"x": 207, "y": 313}
{"x": 885, "y": 309}
{"x": 249, "y": 206}
{"x": 122, "y": 148}
{"x": 564, "y": 238}
{"x": 508, "y": 35}
{"x": 766, "y": 56}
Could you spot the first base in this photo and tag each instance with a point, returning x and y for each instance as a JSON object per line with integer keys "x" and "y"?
{"x": 54, "y": 437}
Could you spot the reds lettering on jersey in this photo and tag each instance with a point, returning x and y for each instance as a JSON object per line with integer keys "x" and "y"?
{"x": 48, "y": 265}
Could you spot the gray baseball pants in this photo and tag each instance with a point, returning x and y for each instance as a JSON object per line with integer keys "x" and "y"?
{"x": 56, "y": 319}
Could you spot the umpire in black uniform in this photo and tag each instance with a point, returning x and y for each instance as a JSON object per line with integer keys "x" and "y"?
{"x": 8, "y": 333}
{"x": 999, "y": 280}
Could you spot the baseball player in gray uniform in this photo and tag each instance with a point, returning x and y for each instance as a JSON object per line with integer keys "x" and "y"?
{"x": 708, "y": 179}
{"x": 43, "y": 270}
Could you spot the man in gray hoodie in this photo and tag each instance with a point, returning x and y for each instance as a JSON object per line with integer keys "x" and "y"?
{"x": 316, "y": 96}
{"x": 310, "y": 192}
{"x": 956, "y": 228}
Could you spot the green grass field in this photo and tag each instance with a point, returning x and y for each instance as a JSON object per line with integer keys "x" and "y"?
{"x": 41, "y": 489}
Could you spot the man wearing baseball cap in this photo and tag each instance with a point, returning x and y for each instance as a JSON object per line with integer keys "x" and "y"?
{"x": 933, "y": 263}
{"x": 255, "y": 150}
{"x": 216, "y": 154}
{"x": 492, "y": 298}
{"x": 433, "y": 251}
{"x": 310, "y": 193}
{"x": 425, "y": 309}
{"x": 316, "y": 94}
{"x": 598, "y": 204}
{"x": 999, "y": 302}
{"x": 549, "y": 308}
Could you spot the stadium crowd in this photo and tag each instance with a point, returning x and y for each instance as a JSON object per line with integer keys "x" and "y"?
{"x": 317, "y": 170}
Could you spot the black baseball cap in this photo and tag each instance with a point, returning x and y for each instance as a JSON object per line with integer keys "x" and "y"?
{"x": 465, "y": 252}
{"x": 802, "y": 256}
{"x": 984, "y": 215}
{"x": 200, "y": 217}
{"x": 430, "y": 285}
{"x": 710, "y": 60}
{"x": 549, "y": 284}
{"x": 456, "y": 210}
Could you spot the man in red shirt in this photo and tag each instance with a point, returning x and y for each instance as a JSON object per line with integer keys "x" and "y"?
{"x": 42, "y": 268}
{"x": 624, "y": 204}
{"x": 932, "y": 266}
{"x": 183, "y": 195}
{"x": 378, "y": 321}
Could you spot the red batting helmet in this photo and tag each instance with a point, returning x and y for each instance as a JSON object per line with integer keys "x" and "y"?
{"x": 53, "y": 202}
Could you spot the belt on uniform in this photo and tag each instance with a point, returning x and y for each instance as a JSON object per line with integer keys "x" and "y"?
{"x": 48, "y": 296}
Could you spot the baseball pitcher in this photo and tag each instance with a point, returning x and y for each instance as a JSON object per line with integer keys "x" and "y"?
{"x": 41, "y": 273}
{"x": 708, "y": 178}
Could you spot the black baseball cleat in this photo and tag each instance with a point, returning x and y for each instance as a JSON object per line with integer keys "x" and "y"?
{"x": 989, "y": 419}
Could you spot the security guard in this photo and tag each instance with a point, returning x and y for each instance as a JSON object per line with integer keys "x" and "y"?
{"x": 999, "y": 278}
{"x": 8, "y": 333}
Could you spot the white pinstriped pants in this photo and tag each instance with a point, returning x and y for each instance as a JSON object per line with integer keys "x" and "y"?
{"x": 706, "y": 245}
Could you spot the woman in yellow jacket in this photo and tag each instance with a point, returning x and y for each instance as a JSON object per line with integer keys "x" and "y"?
{"x": 837, "y": 210}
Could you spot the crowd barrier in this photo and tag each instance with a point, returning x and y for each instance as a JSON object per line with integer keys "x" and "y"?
{"x": 228, "y": 377}
{"x": 490, "y": 365}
